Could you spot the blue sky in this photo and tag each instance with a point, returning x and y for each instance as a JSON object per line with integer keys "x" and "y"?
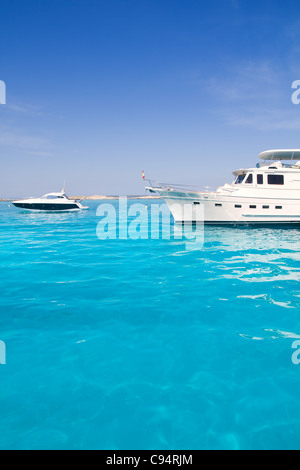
{"x": 99, "y": 90}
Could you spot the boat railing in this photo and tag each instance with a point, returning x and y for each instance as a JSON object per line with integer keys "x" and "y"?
{"x": 292, "y": 164}
{"x": 176, "y": 187}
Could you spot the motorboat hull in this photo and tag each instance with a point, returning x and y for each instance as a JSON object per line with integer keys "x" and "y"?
{"x": 47, "y": 207}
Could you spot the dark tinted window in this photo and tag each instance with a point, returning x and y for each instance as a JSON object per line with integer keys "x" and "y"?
{"x": 249, "y": 180}
{"x": 275, "y": 179}
{"x": 240, "y": 179}
{"x": 260, "y": 179}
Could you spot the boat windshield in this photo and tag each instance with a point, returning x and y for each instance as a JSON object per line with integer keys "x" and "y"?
{"x": 52, "y": 196}
{"x": 240, "y": 179}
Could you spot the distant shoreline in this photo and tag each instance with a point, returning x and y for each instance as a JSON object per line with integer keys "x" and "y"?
{"x": 96, "y": 198}
{"x": 100, "y": 198}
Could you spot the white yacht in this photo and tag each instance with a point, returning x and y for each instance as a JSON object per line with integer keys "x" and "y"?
{"x": 53, "y": 202}
{"x": 268, "y": 194}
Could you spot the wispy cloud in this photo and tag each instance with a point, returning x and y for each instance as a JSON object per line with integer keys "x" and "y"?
{"x": 247, "y": 82}
{"x": 40, "y": 153}
{"x": 254, "y": 94}
{"x": 17, "y": 138}
{"x": 25, "y": 109}
{"x": 19, "y": 128}
{"x": 261, "y": 118}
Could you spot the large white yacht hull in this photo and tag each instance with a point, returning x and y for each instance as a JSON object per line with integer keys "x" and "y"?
{"x": 216, "y": 209}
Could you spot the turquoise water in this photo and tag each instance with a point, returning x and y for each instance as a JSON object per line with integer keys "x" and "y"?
{"x": 141, "y": 344}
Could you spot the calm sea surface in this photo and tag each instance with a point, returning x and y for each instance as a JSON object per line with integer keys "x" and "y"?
{"x": 142, "y": 344}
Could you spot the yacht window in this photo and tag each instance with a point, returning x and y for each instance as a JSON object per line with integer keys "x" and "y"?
{"x": 240, "y": 179}
{"x": 249, "y": 180}
{"x": 266, "y": 207}
{"x": 238, "y": 206}
{"x": 196, "y": 203}
{"x": 276, "y": 179}
{"x": 278, "y": 207}
{"x": 252, "y": 207}
{"x": 218, "y": 205}
{"x": 260, "y": 179}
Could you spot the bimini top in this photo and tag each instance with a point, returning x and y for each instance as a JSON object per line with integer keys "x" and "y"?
{"x": 277, "y": 155}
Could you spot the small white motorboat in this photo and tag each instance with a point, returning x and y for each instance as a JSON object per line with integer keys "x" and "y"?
{"x": 54, "y": 202}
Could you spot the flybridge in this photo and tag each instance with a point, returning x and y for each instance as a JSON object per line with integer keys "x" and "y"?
{"x": 277, "y": 155}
